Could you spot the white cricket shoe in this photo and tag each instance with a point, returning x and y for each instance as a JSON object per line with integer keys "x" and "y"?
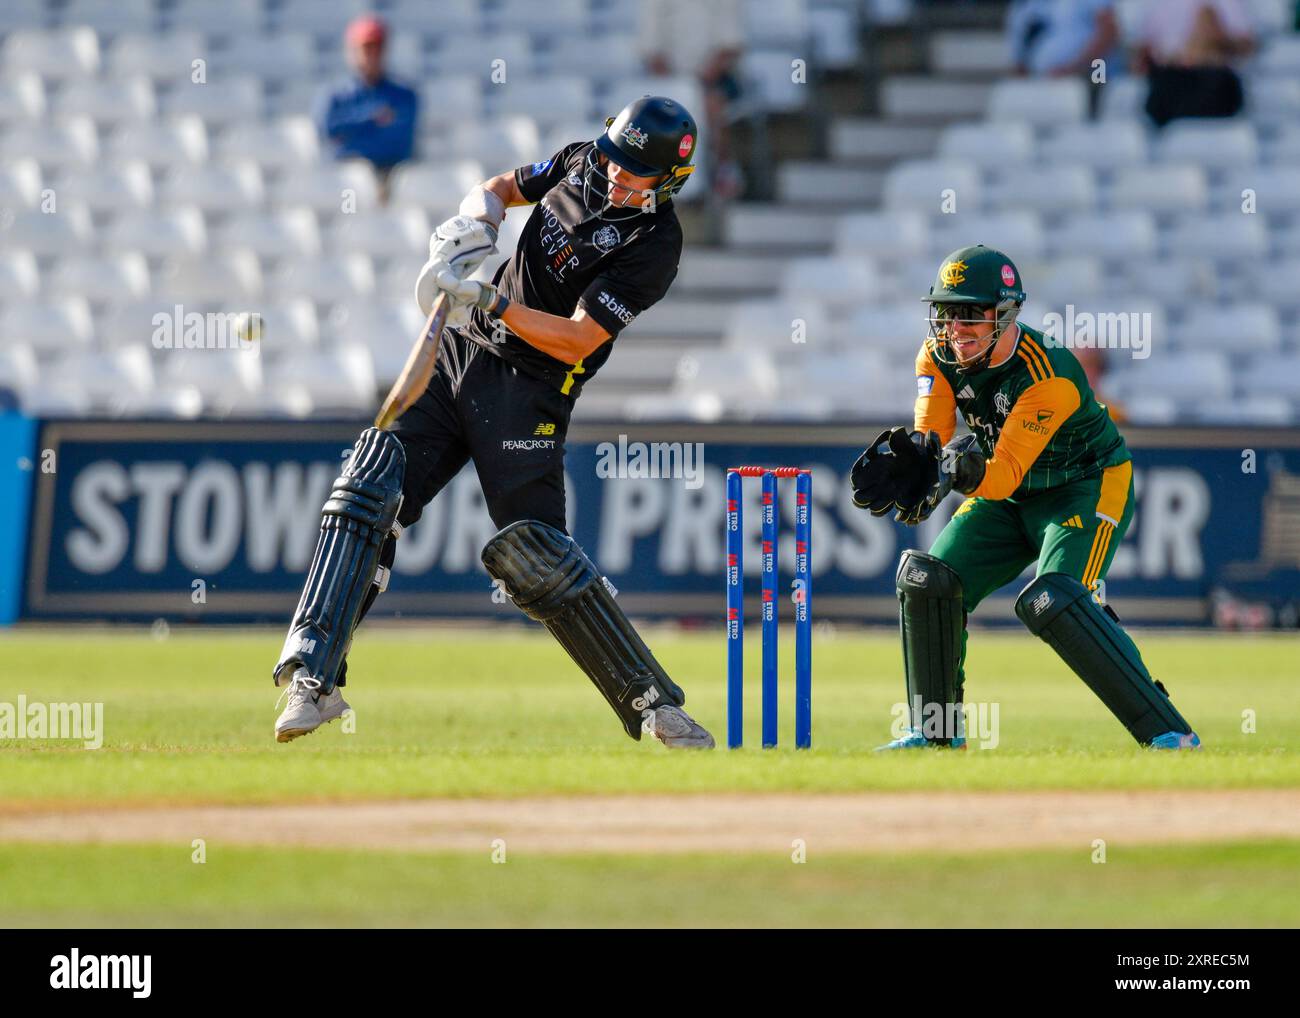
{"x": 676, "y": 729}
{"x": 307, "y": 709}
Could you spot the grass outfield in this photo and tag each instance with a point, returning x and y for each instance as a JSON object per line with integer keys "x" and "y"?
{"x": 189, "y": 719}
{"x": 1193, "y": 886}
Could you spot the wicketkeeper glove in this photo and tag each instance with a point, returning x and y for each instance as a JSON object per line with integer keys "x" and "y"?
{"x": 894, "y": 470}
{"x": 960, "y": 465}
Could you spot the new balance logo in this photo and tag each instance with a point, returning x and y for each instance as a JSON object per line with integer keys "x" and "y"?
{"x": 915, "y": 575}
{"x": 1073, "y": 521}
{"x": 544, "y": 429}
{"x": 1041, "y": 603}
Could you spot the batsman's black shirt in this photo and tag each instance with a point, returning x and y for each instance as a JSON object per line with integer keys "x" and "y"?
{"x": 567, "y": 258}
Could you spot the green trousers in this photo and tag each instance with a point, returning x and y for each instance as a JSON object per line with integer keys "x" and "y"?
{"x": 1074, "y": 529}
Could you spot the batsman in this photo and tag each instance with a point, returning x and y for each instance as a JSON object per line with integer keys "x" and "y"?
{"x": 601, "y": 245}
{"x": 1048, "y": 480}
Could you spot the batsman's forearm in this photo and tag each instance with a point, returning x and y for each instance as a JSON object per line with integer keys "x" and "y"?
{"x": 565, "y": 339}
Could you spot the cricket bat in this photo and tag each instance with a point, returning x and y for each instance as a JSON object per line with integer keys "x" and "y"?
{"x": 418, "y": 372}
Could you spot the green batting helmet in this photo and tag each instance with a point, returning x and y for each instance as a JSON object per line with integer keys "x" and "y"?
{"x": 975, "y": 277}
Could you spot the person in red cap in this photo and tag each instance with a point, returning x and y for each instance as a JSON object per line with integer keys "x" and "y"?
{"x": 370, "y": 116}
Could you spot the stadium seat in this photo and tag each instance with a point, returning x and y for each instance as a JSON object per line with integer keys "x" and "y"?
{"x": 56, "y": 54}
{"x": 779, "y": 325}
{"x": 110, "y": 379}
{"x": 902, "y": 234}
{"x": 1148, "y": 409}
{"x": 404, "y": 58}
{"x": 897, "y": 328}
{"x": 158, "y": 234}
{"x": 988, "y": 143}
{"x": 729, "y": 375}
{"x": 107, "y": 102}
{"x": 31, "y": 14}
{"x": 1201, "y": 375}
{"x": 921, "y": 98}
{"x": 1017, "y": 234}
{"x": 213, "y": 187}
{"x": 325, "y": 18}
{"x": 130, "y": 323}
{"x": 1256, "y": 411}
{"x": 444, "y": 102}
{"x": 112, "y": 15}
{"x": 625, "y": 89}
{"x": 327, "y": 187}
{"x": 970, "y": 52}
{"x": 288, "y": 327}
{"x": 445, "y": 18}
{"x": 1062, "y": 280}
{"x": 1105, "y": 146}
{"x": 1173, "y": 189}
{"x": 1176, "y": 278}
{"x": 20, "y": 184}
{"x": 237, "y": 19}
{"x": 500, "y": 144}
{"x": 20, "y": 276}
{"x": 1275, "y": 280}
{"x": 769, "y": 79}
{"x": 338, "y": 381}
{"x": 509, "y": 51}
{"x": 162, "y": 144}
{"x": 285, "y": 233}
{"x": 121, "y": 276}
{"x": 608, "y": 60}
{"x": 1106, "y": 236}
{"x": 1273, "y": 101}
{"x": 228, "y": 99}
{"x": 112, "y": 188}
{"x": 69, "y": 145}
{"x": 1225, "y": 238}
{"x": 547, "y": 99}
{"x": 1124, "y": 99}
{"x": 699, "y": 406}
{"x": 22, "y": 97}
{"x": 553, "y": 18}
{"x": 328, "y": 278}
{"x": 1280, "y": 55}
{"x": 18, "y": 368}
{"x": 46, "y": 235}
{"x": 386, "y": 328}
{"x": 286, "y": 144}
{"x": 1062, "y": 189}
{"x": 437, "y": 187}
{"x": 923, "y": 185}
{"x": 231, "y": 279}
{"x": 226, "y": 378}
{"x": 1211, "y": 145}
{"x": 835, "y": 37}
{"x": 1270, "y": 376}
{"x": 1240, "y": 328}
{"x": 1039, "y": 101}
{"x": 1275, "y": 193}
{"x": 269, "y": 56}
{"x": 163, "y": 56}
{"x": 381, "y": 233}
{"x": 53, "y": 397}
{"x": 838, "y": 284}
{"x": 48, "y": 327}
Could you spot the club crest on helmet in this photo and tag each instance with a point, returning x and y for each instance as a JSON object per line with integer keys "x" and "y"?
{"x": 953, "y": 273}
{"x": 634, "y": 136}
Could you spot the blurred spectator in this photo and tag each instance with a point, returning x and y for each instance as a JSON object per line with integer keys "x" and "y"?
{"x": 1061, "y": 38}
{"x": 1185, "y": 49}
{"x": 704, "y": 40}
{"x": 1093, "y": 361}
{"x": 370, "y": 116}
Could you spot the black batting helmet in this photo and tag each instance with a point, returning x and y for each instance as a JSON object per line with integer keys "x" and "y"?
{"x": 652, "y": 137}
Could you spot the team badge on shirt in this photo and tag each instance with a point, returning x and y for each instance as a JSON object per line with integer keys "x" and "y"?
{"x": 1002, "y": 403}
{"x": 924, "y": 383}
{"x": 606, "y": 238}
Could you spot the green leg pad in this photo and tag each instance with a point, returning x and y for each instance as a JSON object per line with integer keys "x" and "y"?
{"x": 1089, "y": 639}
{"x": 932, "y": 621}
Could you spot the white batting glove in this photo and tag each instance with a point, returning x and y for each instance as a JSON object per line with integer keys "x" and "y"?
{"x": 457, "y": 246}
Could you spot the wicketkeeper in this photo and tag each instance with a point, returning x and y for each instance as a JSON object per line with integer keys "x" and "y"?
{"x": 1048, "y": 479}
{"x": 601, "y": 245}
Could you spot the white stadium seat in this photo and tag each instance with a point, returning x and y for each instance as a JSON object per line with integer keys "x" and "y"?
{"x": 48, "y": 327}
{"x": 1021, "y": 232}
{"x": 553, "y": 18}
{"x": 1160, "y": 189}
{"x": 1060, "y": 189}
{"x": 1123, "y": 99}
{"x": 1280, "y": 55}
{"x": 111, "y": 379}
{"x": 327, "y": 188}
{"x": 232, "y": 279}
{"x": 226, "y": 99}
{"x": 1111, "y": 235}
{"x": 1271, "y": 376}
{"x": 770, "y": 81}
{"x": 46, "y": 235}
{"x": 548, "y": 99}
{"x": 446, "y": 101}
{"x": 441, "y": 19}
{"x": 121, "y": 276}
{"x": 107, "y": 102}
{"x": 988, "y": 143}
{"x": 509, "y": 52}
{"x": 1063, "y": 279}
{"x": 113, "y": 15}
{"x": 55, "y": 54}
{"x": 1211, "y": 145}
{"x": 726, "y": 374}
{"x": 1273, "y": 102}
{"x": 227, "y": 378}
{"x": 341, "y": 380}
{"x": 897, "y": 328}
{"x": 436, "y": 187}
{"x": 18, "y": 368}
{"x": 1044, "y": 102}
{"x": 499, "y": 144}
{"x": 382, "y": 233}
{"x": 19, "y": 274}
{"x": 159, "y": 234}
{"x": 162, "y": 143}
{"x": 849, "y": 382}
{"x": 72, "y": 144}
{"x": 774, "y": 22}
{"x": 328, "y": 278}
{"x": 1103, "y": 145}
{"x": 924, "y": 184}
{"x": 286, "y": 233}
{"x": 1199, "y": 375}
{"x": 322, "y": 17}
{"x": 288, "y": 326}
{"x": 236, "y": 18}
{"x": 838, "y": 284}
{"x": 287, "y": 143}
{"x": 214, "y": 187}
{"x": 129, "y": 323}
{"x": 1257, "y": 411}
{"x": 604, "y": 61}
{"x": 1242, "y": 328}
{"x": 163, "y": 56}
{"x": 22, "y": 97}
{"x": 20, "y": 183}
{"x": 783, "y": 325}
{"x": 1225, "y": 238}
{"x": 113, "y": 187}
{"x": 24, "y": 14}
{"x": 386, "y": 328}
{"x": 901, "y": 234}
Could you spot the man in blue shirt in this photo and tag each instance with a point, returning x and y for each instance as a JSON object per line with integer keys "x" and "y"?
{"x": 370, "y": 117}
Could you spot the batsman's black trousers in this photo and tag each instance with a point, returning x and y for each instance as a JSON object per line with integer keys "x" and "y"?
{"x": 512, "y": 425}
